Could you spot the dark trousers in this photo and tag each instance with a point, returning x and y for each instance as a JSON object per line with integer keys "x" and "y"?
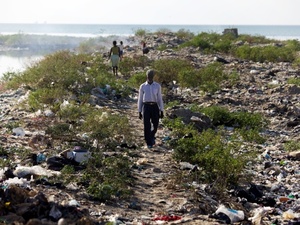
{"x": 151, "y": 120}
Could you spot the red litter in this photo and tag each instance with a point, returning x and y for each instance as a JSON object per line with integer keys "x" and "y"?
{"x": 167, "y": 218}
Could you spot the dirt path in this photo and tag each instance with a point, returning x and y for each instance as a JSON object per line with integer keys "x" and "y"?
{"x": 155, "y": 190}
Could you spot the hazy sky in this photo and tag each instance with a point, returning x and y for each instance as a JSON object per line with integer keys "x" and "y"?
{"x": 202, "y": 12}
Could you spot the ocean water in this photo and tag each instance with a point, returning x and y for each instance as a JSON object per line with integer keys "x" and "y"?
{"x": 18, "y": 63}
{"x": 280, "y": 32}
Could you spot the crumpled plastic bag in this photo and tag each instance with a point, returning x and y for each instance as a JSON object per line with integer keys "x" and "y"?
{"x": 290, "y": 215}
{"x": 259, "y": 213}
{"x": 55, "y": 212}
{"x": 19, "y": 181}
{"x": 234, "y": 215}
{"x": 23, "y": 171}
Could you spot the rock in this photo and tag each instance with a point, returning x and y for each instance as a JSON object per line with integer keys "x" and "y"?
{"x": 294, "y": 155}
{"x": 200, "y": 121}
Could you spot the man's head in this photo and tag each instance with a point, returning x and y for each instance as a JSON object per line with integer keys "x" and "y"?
{"x": 150, "y": 74}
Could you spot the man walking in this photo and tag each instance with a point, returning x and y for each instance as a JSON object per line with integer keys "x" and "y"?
{"x": 150, "y": 107}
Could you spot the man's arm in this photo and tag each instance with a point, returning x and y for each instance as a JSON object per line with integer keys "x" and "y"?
{"x": 140, "y": 99}
{"x": 159, "y": 99}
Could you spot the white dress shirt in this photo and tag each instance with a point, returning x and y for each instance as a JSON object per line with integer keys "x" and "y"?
{"x": 150, "y": 93}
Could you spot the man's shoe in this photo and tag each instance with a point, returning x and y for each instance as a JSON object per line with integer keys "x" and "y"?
{"x": 150, "y": 146}
{"x": 153, "y": 141}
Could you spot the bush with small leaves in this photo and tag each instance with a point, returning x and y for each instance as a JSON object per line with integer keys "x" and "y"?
{"x": 294, "y": 80}
{"x": 168, "y": 69}
{"x": 190, "y": 78}
{"x": 140, "y": 32}
{"x": 212, "y": 76}
{"x": 218, "y": 115}
{"x": 137, "y": 79}
{"x": 104, "y": 127}
{"x": 59, "y": 131}
{"x": 184, "y": 34}
{"x": 107, "y": 178}
{"x": 265, "y": 53}
{"x": 217, "y": 158}
{"x": 45, "y": 96}
{"x": 129, "y": 65}
{"x": 292, "y": 145}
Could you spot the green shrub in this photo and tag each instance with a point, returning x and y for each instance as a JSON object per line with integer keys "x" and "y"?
{"x": 184, "y": 34}
{"x": 292, "y": 145}
{"x": 222, "y": 116}
{"x": 185, "y": 148}
{"x": 294, "y": 80}
{"x": 220, "y": 160}
{"x": 296, "y": 62}
{"x": 20, "y": 153}
{"x": 73, "y": 112}
{"x": 137, "y": 79}
{"x": 4, "y": 159}
{"x": 8, "y": 76}
{"x": 293, "y": 45}
{"x": 168, "y": 69}
{"x": 59, "y": 131}
{"x": 218, "y": 115}
{"x": 128, "y": 65}
{"x": 212, "y": 76}
{"x": 217, "y": 158}
{"x": 140, "y": 32}
{"x": 251, "y": 135}
{"x": 247, "y": 125}
{"x": 266, "y": 53}
{"x": 45, "y": 96}
{"x": 233, "y": 78}
{"x": 211, "y": 42}
{"x": 104, "y": 127}
{"x": 64, "y": 71}
{"x": 162, "y": 31}
{"x": 248, "y": 120}
{"x": 11, "y": 125}
{"x": 162, "y": 47}
{"x": 254, "y": 39}
{"x": 171, "y": 104}
{"x": 68, "y": 174}
{"x": 93, "y": 45}
{"x": 200, "y": 41}
{"x": 107, "y": 178}
{"x": 60, "y": 69}
{"x": 189, "y": 78}
{"x": 223, "y": 46}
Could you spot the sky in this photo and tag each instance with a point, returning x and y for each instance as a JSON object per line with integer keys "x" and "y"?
{"x": 198, "y": 12}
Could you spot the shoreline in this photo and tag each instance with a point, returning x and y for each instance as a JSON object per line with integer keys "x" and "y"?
{"x": 87, "y": 30}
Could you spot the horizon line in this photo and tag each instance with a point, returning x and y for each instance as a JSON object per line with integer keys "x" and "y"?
{"x": 146, "y": 24}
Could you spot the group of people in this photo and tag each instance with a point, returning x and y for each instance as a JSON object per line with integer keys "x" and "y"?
{"x": 150, "y": 101}
{"x": 116, "y": 54}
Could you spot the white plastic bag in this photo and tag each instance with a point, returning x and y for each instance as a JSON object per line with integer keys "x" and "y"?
{"x": 19, "y": 131}
{"x": 259, "y": 213}
{"x": 234, "y": 215}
